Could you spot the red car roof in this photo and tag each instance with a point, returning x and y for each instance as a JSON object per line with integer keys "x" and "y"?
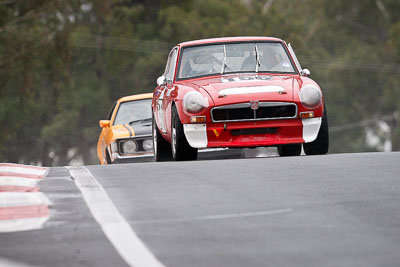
{"x": 229, "y": 39}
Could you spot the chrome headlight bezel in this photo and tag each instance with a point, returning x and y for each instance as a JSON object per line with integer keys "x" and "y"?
{"x": 147, "y": 145}
{"x": 194, "y": 102}
{"x": 129, "y": 147}
{"x": 310, "y": 96}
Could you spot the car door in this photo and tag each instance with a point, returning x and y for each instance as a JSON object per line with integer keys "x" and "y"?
{"x": 163, "y": 101}
{"x": 170, "y": 87}
{"x": 104, "y": 135}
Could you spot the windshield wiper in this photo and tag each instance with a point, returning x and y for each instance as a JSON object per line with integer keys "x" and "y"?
{"x": 258, "y": 63}
{"x": 224, "y": 62}
{"x": 141, "y": 120}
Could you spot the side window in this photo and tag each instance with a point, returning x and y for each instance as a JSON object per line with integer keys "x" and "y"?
{"x": 111, "y": 112}
{"x": 296, "y": 61}
{"x": 170, "y": 69}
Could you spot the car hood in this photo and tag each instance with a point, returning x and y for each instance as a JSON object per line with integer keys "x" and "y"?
{"x": 141, "y": 129}
{"x": 239, "y": 89}
{"x": 120, "y": 131}
{"x": 130, "y": 130}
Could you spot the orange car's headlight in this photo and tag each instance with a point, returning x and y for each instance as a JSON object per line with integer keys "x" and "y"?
{"x": 129, "y": 147}
{"x": 148, "y": 144}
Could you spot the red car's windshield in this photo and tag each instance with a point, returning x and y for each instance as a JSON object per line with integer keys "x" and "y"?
{"x": 215, "y": 59}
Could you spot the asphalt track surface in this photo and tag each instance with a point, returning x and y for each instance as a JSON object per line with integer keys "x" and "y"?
{"x": 333, "y": 210}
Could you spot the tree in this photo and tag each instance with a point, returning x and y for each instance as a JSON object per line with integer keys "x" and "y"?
{"x": 63, "y": 63}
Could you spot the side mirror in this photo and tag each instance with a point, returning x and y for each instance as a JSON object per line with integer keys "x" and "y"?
{"x": 161, "y": 81}
{"x": 104, "y": 123}
{"x": 305, "y": 72}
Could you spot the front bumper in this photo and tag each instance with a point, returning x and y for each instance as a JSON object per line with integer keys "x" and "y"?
{"x": 252, "y": 134}
{"x": 142, "y": 155}
{"x": 139, "y": 157}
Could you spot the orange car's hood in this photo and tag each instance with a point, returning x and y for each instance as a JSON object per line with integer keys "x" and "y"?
{"x": 239, "y": 89}
{"x": 129, "y": 130}
{"x": 120, "y": 131}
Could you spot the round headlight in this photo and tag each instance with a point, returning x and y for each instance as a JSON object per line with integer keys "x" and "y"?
{"x": 148, "y": 144}
{"x": 129, "y": 147}
{"x": 310, "y": 96}
{"x": 194, "y": 102}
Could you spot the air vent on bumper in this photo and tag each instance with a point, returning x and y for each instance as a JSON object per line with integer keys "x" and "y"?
{"x": 244, "y": 112}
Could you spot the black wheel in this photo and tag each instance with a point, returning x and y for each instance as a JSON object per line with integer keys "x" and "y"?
{"x": 289, "y": 150}
{"x": 162, "y": 149}
{"x": 108, "y": 159}
{"x": 181, "y": 150}
{"x": 319, "y": 146}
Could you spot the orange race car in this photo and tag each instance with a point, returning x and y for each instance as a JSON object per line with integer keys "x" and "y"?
{"x": 126, "y": 134}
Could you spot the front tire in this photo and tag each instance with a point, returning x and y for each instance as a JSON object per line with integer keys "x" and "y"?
{"x": 289, "y": 150}
{"x": 162, "y": 149}
{"x": 181, "y": 150}
{"x": 108, "y": 158}
{"x": 319, "y": 146}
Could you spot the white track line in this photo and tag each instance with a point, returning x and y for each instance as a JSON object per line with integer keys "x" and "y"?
{"x": 16, "y": 199}
{"x": 117, "y": 230}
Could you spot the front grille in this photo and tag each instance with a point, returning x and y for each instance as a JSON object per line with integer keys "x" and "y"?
{"x": 139, "y": 142}
{"x": 252, "y": 131}
{"x": 265, "y": 111}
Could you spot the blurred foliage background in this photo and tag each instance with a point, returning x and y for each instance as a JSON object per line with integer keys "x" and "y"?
{"x": 64, "y": 62}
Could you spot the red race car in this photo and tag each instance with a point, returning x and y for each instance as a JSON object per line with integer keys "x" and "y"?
{"x": 237, "y": 92}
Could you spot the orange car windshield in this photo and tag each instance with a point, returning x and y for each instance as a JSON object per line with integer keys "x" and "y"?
{"x": 133, "y": 111}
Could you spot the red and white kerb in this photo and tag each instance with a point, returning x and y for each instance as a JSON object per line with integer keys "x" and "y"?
{"x": 22, "y": 205}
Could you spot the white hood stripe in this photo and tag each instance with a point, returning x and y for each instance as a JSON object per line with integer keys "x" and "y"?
{"x": 251, "y": 90}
